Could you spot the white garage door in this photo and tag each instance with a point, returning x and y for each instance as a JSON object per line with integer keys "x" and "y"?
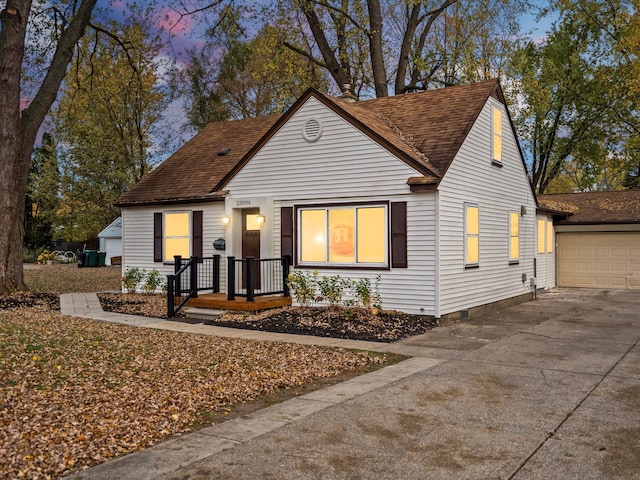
{"x": 113, "y": 247}
{"x": 599, "y": 260}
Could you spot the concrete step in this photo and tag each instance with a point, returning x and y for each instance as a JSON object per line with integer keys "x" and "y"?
{"x": 203, "y": 314}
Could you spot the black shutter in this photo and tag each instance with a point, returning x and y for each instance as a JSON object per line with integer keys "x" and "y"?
{"x": 157, "y": 237}
{"x": 399, "y": 234}
{"x": 286, "y": 231}
{"x": 196, "y": 238}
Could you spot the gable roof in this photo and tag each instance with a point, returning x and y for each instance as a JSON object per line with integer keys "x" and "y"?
{"x": 592, "y": 208}
{"x": 424, "y": 129}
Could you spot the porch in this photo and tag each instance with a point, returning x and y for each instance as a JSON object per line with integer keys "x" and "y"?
{"x": 252, "y": 284}
{"x": 219, "y": 301}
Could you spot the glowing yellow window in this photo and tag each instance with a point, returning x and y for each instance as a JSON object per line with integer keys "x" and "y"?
{"x": 541, "y": 236}
{"x": 176, "y": 235}
{"x": 497, "y": 134}
{"x": 514, "y": 236}
{"x": 472, "y": 235}
{"x": 549, "y": 236}
{"x": 372, "y": 235}
{"x": 348, "y": 235}
{"x": 313, "y": 238}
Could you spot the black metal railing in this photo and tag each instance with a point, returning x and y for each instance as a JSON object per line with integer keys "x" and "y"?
{"x": 191, "y": 276}
{"x": 248, "y": 277}
{"x": 251, "y": 277}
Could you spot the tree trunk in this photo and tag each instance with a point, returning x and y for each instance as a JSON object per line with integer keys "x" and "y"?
{"x": 18, "y": 131}
{"x": 375, "y": 49}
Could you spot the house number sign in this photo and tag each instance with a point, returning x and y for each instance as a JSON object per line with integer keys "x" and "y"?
{"x": 243, "y": 203}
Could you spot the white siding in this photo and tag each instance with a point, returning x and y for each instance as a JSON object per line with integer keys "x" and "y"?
{"x": 545, "y": 262}
{"x": 496, "y": 190}
{"x": 344, "y": 165}
{"x": 137, "y": 235}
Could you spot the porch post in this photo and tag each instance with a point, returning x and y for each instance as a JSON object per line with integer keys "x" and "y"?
{"x": 171, "y": 280}
{"x": 286, "y": 261}
{"x": 216, "y": 273}
{"x": 193, "y": 276}
{"x": 249, "y": 279}
{"x": 231, "y": 278}
{"x": 177, "y": 265}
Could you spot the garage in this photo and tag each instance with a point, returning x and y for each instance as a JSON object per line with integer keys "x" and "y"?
{"x": 599, "y": 259}
{"x": 597, "y": 238}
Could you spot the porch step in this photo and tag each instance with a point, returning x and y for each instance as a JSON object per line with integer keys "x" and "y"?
{"x": 203, "y": 314}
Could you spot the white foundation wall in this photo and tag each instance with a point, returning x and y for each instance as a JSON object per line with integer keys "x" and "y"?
{"x": 496, "y": 190}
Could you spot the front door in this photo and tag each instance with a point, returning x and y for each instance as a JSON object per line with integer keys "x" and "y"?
{"x": 251, "y": 243}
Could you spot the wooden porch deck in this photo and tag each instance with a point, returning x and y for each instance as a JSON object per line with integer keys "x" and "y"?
{"x": 219, "y": 301}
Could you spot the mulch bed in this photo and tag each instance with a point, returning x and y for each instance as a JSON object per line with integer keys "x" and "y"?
{"x": 47, "y": 301}
{"x": 335, "y": 322}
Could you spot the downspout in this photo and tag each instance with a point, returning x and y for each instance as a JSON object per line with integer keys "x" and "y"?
{"x": 437, "y": 259}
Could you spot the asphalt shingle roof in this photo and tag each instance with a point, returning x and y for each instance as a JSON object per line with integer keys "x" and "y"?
{"x": 425, "y": 129}
{"x": 595, "y": 207}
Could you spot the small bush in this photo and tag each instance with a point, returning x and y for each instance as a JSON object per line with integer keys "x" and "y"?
{"x": 332, "y": 289}
{"x": 131, "y": 278}
{"x": 153, "y": 281}
{"x": 303, "y": 286}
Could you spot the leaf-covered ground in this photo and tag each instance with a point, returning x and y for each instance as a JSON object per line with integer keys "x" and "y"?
{"x": 75, "y": 392}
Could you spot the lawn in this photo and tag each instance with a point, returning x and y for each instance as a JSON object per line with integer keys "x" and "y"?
{"x": 75, "y": 392}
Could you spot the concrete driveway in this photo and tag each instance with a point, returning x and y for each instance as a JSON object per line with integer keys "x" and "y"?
{"x": 549, "y": 389}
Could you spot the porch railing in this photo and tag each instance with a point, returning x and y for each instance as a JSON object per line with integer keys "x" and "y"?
{"x": 248, "y": 277}
{"x": 191, "y": 276}
{"x": 252, "y": 277}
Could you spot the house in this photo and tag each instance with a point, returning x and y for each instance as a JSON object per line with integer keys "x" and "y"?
{"x": 111, "y": 241}
{"x": 598, "y": 243}
{"x": 428, "y": 190}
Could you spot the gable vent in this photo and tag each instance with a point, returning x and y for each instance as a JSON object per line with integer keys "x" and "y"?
{"x": 312, "y": 130}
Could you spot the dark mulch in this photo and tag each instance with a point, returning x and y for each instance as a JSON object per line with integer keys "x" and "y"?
{"x": 336, "y": 322}
{"x": 348, "y": 323}
{"x": 47, "y": 301}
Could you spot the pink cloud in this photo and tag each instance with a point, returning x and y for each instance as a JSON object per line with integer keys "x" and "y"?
{"x": 24, "y": 103}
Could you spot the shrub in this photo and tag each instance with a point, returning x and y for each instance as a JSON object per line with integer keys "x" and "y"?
{"x": 303, "y": 286}
{"x": 46, "y": 255}
{"x": 332, "y": 289}
{"x": 131, "y": 278}
{"x": 365, "y": 295}
{"x": 153, "y": 281}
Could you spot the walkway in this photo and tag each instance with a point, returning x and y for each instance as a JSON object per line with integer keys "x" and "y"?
{"x": 548, "y": 389}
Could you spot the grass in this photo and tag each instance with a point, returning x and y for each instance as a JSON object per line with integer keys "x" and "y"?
{"x": 76, "y": 392}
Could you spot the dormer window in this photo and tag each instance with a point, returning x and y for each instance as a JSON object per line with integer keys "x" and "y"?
{"x": 496, "y": 144}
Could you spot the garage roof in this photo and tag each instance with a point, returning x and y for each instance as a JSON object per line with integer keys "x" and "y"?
{"x": 592, "y": 208}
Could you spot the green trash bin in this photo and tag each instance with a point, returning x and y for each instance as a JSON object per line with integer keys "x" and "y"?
{"x": 91, "y": 258}
{"x": 102, "y": 258}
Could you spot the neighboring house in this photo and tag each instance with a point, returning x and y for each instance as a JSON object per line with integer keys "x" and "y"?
{"x": 599, "y": 242}
{"x": 428, "y": 190}
{"x": 111, "y": 241}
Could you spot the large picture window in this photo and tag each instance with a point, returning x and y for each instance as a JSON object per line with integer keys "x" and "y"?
{"x": 343, "y": 235}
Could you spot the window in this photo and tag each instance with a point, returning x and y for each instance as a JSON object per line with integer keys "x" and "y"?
{"x": 343, "y": 235}
{"x": 514, "y": 237}
{"x": 497, "y": 135}
{"x": 541, "y": 236}
{"x": 471, "y": 235}
{"x": 545, "y": 236}
{"x": 176, "y": 235}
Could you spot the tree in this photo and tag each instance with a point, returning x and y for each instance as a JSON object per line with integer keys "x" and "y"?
{"x": 254, "y": 76}
{"x": 578, "y": 117}
{"x": 18, "y": 129}
{"x": 423, "y": 43}
{"x": 104, "y": 124}
{"x": 42, "y": 200}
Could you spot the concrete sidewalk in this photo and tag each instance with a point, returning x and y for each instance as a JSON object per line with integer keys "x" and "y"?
{"x": 548, "y": 389}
